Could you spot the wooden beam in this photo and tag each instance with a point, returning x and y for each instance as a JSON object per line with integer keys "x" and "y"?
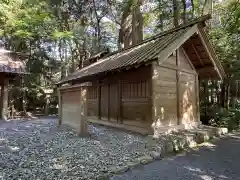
{"x": 189, "y": 61}
{"x": 206, "y": 69}
{"x": 196, "y": 52}
{"x": 209, "y": 49}
{"x": 177, "y": 68}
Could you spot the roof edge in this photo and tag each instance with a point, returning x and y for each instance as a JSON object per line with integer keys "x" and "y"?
{"x": 201, "y": 19}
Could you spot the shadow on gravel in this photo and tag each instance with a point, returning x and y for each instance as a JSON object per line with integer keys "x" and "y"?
{"x": 216, "y": 160}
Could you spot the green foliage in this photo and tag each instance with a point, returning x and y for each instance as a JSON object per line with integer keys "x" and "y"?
{"x": 227, "y": 118}
{"x": 63, "y": 35}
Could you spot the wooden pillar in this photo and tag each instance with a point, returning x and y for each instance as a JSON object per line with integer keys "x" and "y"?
{"x": 83, "y": 129}
{"x": 178, "y": 89}
{"x": 4, "y": 99}
{"x": 197, "y": 96}
{"x": 59, "y": 107}
{"x": 99, "y": 100}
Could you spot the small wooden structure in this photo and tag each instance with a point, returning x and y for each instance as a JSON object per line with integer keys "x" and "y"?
{"x": 148, "y": 88}
{"x": 10, "y": 67}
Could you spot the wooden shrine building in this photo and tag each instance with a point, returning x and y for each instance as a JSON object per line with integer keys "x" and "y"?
{"x": 150, "y": 88}
{"x": 10, "y": 67}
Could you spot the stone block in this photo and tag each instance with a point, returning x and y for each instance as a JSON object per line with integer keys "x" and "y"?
{"x": 221, "y": 131}
{"x": 145, "y": 159}
{"x": 155, "y": 154}
{"x": 167, "y": 148}
{"x": 202, "y": 136}
{"x": 133, "y": 164}
{"x": 119, "y": 169}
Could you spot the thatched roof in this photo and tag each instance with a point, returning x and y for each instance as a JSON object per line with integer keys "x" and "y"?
{"x": 10, "y": 63}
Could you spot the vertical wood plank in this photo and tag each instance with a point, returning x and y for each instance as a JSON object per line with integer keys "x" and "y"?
{"x": 4, "y": 99}
{"x": 108, "y": 96}
{"x": 150, "y": 95}
{"x": 99, "y": 100}
{"x": 197, "y": 98}
{"x": 59, "y": 107}
{"x": 119, "y": 103}
{"x": 178, "y": 89}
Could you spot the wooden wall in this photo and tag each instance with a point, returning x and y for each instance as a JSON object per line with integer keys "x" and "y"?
{"x": 70, "y": 108}
{"x": 158, "y": 95}
{"x": 122, "y": 97}
{"x": 164, "y": 94}
{"x": 175, "y": 100}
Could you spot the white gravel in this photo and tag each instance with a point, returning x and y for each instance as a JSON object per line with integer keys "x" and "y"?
{"x": 38, "y": 149}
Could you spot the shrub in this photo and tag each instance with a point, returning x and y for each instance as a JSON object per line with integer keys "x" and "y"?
{"x": 227, "y": 118}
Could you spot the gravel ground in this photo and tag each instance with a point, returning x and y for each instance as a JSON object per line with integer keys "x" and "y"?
{"x": 37, "y": 149}
{"x": 218, "y": 160}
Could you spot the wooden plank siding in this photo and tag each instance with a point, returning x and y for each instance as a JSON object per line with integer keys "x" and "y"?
{"x": 123, "y": 97}
{"x": 71, "y": 110}
{"x": 174, "y": 92}
{"x": 159, "y": 94}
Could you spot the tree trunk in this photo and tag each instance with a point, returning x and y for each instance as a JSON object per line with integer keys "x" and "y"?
{"x": 62, "y": 59}
{"x": 228, "y": 95}
{"x": 131, "y": 30}
{"x": 23, "y": 98}
{"x": 97, "y": 28}
{"x": 125, "y": 27}
{"x": 175, "y": 13}
{"x": 193, "y": 8}
{"x": 207, "y": 7}
{"x": 205, "y": 89}
{"x": 184, "y": 17}
{"x": 46, "y": 110}
{"x": 137, "y": 24}
{"x": 222, "y": 95}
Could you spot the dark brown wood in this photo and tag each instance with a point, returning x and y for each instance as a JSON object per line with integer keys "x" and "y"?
{"x": 108, "y": 104}
{"x": 119, "y": 92}
{"x": 104, "y": 102}
{"x": 196, "y": 52}
{"x": 197, "y": 97}
{"x": 99, "y": 100}
{"x": 123, "y": 97}
{"x": 113, "y": 102}
{"x": 178, "y": 91}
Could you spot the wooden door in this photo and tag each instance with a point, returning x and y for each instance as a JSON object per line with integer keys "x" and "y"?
{"x": 109, "y": 106}
{"x": 113, "y": 102}
{"x": 104, "y": 102}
